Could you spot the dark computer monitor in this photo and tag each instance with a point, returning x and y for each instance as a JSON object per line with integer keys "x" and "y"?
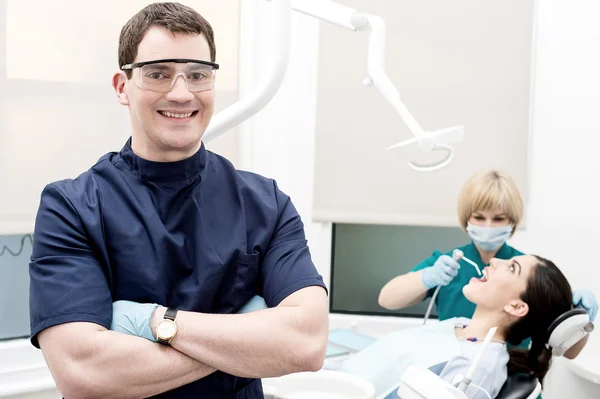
{"x": 365, "y": 257}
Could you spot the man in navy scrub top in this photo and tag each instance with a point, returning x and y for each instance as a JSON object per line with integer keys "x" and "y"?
{"x": 142, "y": 264}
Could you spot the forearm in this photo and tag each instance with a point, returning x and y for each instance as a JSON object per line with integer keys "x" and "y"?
{"x": 265, "y": 343}
{"x": 114, "y": 365}
{"x": 137, "y": 368}
{"x": 574, "y": 351}
{"x": 403, "y": 291}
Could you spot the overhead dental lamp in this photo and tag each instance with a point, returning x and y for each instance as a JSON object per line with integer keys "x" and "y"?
{"x": 346, "y": 17}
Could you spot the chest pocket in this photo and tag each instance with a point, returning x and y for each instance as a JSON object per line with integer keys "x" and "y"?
{"x": 247, "y": 282}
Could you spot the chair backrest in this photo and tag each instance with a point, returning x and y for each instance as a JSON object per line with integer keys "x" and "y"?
{"x": 519, "y": 386}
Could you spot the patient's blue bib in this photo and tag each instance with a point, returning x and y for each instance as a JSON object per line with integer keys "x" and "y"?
{"x": 384, "y": 362}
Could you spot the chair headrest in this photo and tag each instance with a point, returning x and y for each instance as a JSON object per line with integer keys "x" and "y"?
{"x": 518, "y": 386}
{"x": 568, "y": 329}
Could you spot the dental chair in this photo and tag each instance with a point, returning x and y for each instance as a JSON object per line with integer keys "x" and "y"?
{"x": 565, "y": 332}
{"x": 520, "y": 386}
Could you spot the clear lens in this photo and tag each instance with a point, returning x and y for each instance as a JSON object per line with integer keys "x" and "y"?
{"x": 161, "y": 77}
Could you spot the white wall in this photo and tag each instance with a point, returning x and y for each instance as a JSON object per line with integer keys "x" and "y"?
{"x": 562, "y": 218}
{"x": 279, "y": 141}
{"x": 563, "y": 221}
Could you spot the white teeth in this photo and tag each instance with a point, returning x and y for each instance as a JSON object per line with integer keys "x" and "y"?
{"x": 172, "y": 115}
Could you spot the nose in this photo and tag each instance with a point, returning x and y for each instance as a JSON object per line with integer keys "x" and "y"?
{"x": 494, "y": 263}
{"x": 179, "y": 91}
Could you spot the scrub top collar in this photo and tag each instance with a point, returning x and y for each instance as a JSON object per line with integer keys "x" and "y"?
{"x": 186, "y": 170}
{"x": 503, "y": 253}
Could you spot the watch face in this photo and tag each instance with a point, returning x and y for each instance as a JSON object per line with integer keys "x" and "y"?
{"x": 166, "y": 329}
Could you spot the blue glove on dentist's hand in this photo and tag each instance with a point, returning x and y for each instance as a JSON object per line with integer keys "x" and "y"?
{"x": 441, "y": 273}
{"x": 586, "y": 300}
{"x": 133, "y": 318}
{"x": 255, "y": 303}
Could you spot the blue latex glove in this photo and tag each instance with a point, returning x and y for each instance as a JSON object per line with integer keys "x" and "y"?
{"x": 255, "y": 303}
{"x": 586, "y": 300}
{"x": 133, "y": 318}
{"x": 441, "y": 273}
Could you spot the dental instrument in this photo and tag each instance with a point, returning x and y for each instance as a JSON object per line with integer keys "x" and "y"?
{"x": 469, "y": 261}
{"x": 466, "y": 381}
{"x": 421, "y": 383}
{"x": 457, "y": 255}
{"x": 376, "y": 76}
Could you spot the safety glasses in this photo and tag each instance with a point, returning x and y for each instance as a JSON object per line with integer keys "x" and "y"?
{"x": 161, "y": 75}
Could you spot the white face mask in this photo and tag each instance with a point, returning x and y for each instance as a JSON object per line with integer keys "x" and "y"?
{"x": 489, "y": 238}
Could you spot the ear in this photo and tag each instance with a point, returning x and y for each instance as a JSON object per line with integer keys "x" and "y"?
{"x": 516, "y": 308}
{"x": 119, "y": 81}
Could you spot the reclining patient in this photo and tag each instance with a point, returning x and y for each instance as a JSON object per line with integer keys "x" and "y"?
{"x": 521, "y": 296}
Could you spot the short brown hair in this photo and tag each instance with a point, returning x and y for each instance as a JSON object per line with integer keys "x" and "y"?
{"x": 174, "y": 17}
{"x": 489, "y": 189}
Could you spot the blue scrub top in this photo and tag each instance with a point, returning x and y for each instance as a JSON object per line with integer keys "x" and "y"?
{"x": 197, "y": 235}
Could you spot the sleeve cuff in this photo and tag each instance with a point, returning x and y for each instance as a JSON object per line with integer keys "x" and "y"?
{"x": 290, "y": 289}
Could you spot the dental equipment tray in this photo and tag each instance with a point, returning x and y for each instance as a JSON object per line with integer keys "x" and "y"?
{"x": 343, "y": 341}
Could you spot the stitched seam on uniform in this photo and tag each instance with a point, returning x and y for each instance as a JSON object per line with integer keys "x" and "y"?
{"x": 100, "y": 203}
{"x": 276, "y": 197}
{"x": 127, "y": 169}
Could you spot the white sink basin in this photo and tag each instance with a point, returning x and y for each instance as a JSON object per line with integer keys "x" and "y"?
{"x": 323, "y": 384}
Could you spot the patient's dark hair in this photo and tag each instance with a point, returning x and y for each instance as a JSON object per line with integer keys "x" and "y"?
{"x": 548, "y": 296}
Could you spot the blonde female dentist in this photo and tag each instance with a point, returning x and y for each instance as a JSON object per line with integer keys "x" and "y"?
{"x": 490, "y": 208}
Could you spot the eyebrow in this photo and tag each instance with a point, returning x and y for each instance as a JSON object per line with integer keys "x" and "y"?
{"x": 495, "y": 216}
{"x": 518, "y": 265}
{"x": 159, "y": 67}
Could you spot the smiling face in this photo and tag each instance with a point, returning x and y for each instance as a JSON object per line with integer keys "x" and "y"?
{"x": 501, "y": 286}
{"x": 167, "y": 126}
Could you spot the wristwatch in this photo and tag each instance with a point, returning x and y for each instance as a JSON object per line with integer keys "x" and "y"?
{"x": 167, "y": 328}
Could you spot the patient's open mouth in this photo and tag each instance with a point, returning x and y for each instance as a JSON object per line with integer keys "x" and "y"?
{"x": 483, "y": 279}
